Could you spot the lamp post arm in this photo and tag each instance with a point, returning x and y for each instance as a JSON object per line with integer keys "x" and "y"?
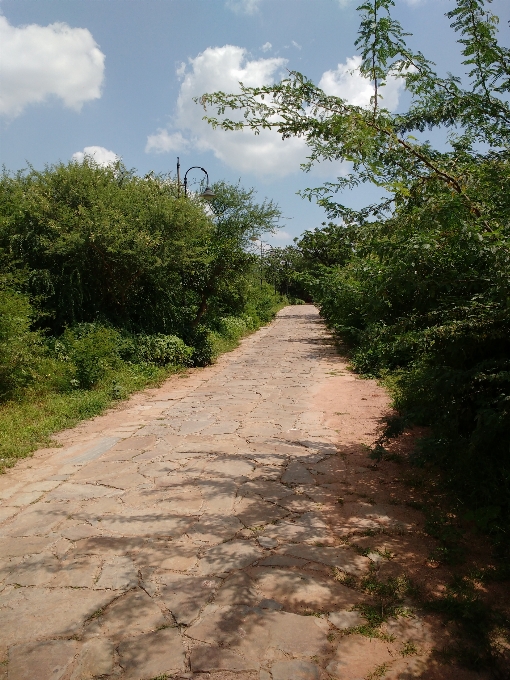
{"x": 194, "y": 167}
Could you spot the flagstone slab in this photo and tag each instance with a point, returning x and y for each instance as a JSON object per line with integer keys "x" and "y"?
{"x": 182, "y": 500}
{"x": 7, "y": 512}
{"x": 35, "y": 570}
{"x": 129, "y": 615}
{"x": 28, "y": 614}
{"x": 341, "y": 558}
{"x": 184, "y": 596}
{"x": 300, "y": 591}
{"x": 356, "y": 657}
{"x": 251, "y": 631}
{"x": 146, "y": 523}
{"x": 96, "y": 659}
{"x": 71, "y": 491}
{"x": 298, "y": 503}
{"x": 224, "y": 427}
{"x": 229, "y": 556}
{"x": 240, "y": 629}
{"x": 219, "y": 496}
{"x": 269, "y": 458}
{"x": 13, "y": 547}
{"x": 346, "y": 619}
{"x": 78, "y": 572}
{"x": 49, "y": 660}
{"x": 20, "y": 500}
{"x": 135, "y": 443}
{"x": 100, "y": 468}
{"x": 118, "y": 573}
{"x": 295, "y": 670}
{"x": 108, "y": 545}
{"x": 229, "y": 467}
{"x": 209, "y": 659}
{"x": 124, "y": 478}
{"x": 256, "y": 512}
{"x": 158, "y": 469}
{"x": 93, "y": 451}
{"x": 179, "y": 555}
{"x": 97, "y": 507}
{"x": 38, "y": 519}
{"x": 152, "y": 655}
{"x": 212, "y": 529}
{"x": 238, "y": 588}
{"x": 296, "y": 473}
{"x": 144, "y": 498}
{"x": 269, "y": 490}
{"x": 309, "y": 528}
{"x": 282, "y": 561}
{"x": 79, "y": 531}
{"x": 8, "y": 488}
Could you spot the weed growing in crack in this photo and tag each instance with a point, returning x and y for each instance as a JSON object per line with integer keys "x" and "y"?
{"x": 379, "y": 672}
{"x": 409, "y": 649}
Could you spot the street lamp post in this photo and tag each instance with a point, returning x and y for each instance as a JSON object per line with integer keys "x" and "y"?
{"x": 262, "y": 244}
{"x": 207, "y": 194}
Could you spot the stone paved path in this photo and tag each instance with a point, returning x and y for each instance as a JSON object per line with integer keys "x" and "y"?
{"x": 196, "y": 530}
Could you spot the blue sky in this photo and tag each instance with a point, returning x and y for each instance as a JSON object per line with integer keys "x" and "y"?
{"x": 120, "y": 75}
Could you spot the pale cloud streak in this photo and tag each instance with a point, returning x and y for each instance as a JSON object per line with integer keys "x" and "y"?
{"x": 38, "y": 62}
{"x": 243, "y": 6}
{"x": 165, "y": 142}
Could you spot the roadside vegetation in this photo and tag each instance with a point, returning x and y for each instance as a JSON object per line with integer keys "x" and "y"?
{"x": 110, "y": 282}
{"x": 417, "y": 284}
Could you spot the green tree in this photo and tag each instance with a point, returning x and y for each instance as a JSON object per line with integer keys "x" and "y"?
{"x": 237, "y": 219}
{"x": 101, "y": 244}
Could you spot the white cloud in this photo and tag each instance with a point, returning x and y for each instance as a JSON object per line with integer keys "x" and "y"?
{"x": 266, "y": 47}
{"x": 99, "y": 154}
{"x": 295, "y": 44}
{"x": 40, "y": 61}
{"x": 347, "y": 82}
{"x": 266, "y": 154}
{"x": 243, "y": 6}
{"x": 222, "y": 68}
{"x": 165, "y": 142}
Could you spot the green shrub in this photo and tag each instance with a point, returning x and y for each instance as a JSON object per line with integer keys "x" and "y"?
{"x": 263, "y": 303}
{"x": 162, "y": 349}
{"x": 21, "y": 349}
{"x": 92, "y": 350}
{"x": 201, "y": 342}
{"x": 232, "y": 327}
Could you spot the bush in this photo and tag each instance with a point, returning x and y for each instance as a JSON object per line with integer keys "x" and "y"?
{"x": 92, "y": 350}
{"x": 201, "y": 342}
{"x": 162, "y": 350}
{"x": 21, "y": 350}
{"x": 232, "y": 327}
{"x": 263, "y": 303}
